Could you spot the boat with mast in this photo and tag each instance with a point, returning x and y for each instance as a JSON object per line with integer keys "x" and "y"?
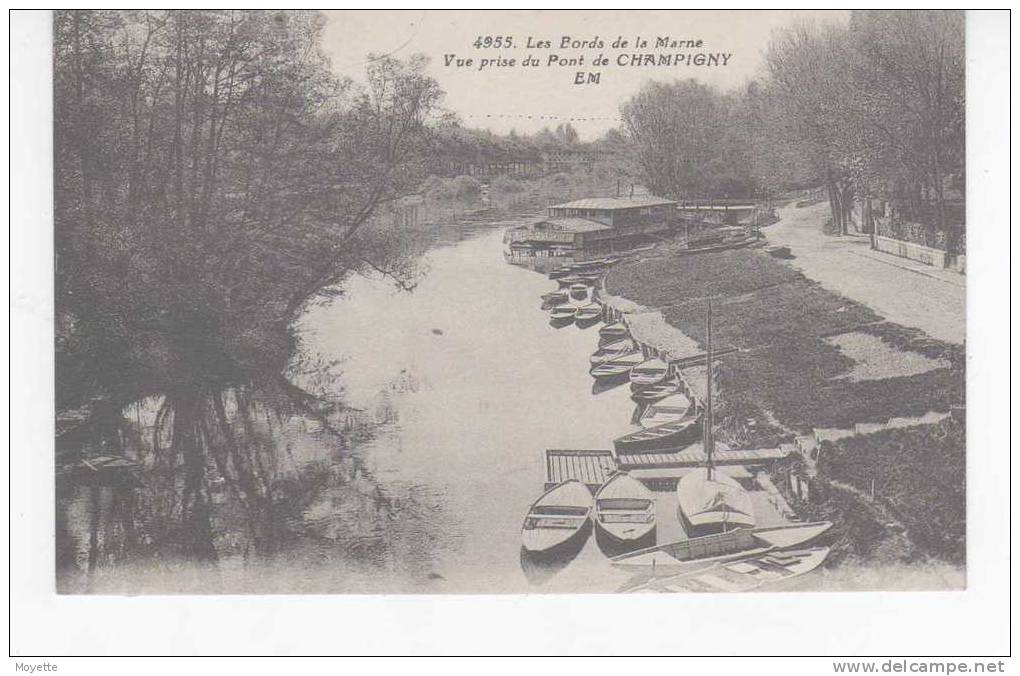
{"x": 712, "y": 501}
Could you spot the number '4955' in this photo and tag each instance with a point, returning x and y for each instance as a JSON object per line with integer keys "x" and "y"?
{"x": 499, "y": 41}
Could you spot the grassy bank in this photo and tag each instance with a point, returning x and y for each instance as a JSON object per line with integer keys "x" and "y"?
{"x": 793, "y": 373}
{"x": 918, "y": 474}
{"x": 788, "y": 376}
{"x": 918, "y": 509}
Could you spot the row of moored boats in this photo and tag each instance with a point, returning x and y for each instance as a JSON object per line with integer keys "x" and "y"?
{"x": 726, "y": 549}
{"x": 574, "y": 301}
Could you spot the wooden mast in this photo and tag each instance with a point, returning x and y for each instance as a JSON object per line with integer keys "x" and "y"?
{"x": 708, "y": 437}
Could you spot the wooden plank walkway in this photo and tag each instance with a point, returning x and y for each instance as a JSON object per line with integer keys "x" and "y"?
{"x": 697, "y": 359}
{"x": 593, "y": 468}
{"x": 692, "y": 457}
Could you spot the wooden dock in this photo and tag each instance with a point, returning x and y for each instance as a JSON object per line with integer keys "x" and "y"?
{"x": 593, "y": 468}
{"x": 695, "y": 456}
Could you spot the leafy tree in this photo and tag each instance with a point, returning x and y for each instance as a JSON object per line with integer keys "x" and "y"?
{"x": 872, "y": 108}
{"x": 904, "y": 129}
{"x": 806, "y": 89}
{"x": 683, "y": 141}
{"x": 212, "y": 177}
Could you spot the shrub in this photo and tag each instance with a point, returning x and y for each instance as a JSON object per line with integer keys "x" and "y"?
{"x": 466, "y": 186}
{"x": 441, "y": 189}
{"x": 432, "y": 183}
{"x": 506, "y": 184}
{"x": 919, "y": 473}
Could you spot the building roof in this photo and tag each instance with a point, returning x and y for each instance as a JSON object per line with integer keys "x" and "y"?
{"x": 614, "y": 203}
{"x": 572, "y": 224}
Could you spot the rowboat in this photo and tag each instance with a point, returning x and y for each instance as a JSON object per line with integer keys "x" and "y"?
{"x": 613, "y": 332}
{"x": 673, "y": 408}
{"x": 557, "y": 517}
{"x": 668, "y": 435}
{"x": 554, "y": 298}
{"x": 568, "y": 281}
{"x": 588, "y": 265}
{"x": 617, "y": 366}
{"x": 697, "y": 553}
{"x": 652, "y": 393}
{"x": 578, "y": 291}
{"x": 744, "y": 575}
{"x": 560, "y": 272}
{"x": 652, "y": 372}
{"x": 589, "y": 279}
{"x": 587, "y": 314}
{"x": 563, "y": 314}
{"x": 624, "y": 509}
{"x": 559, "y": 294}
{"x": 612, "y": 350}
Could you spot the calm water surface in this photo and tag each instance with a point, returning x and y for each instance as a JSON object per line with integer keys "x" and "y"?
{"x": 466, "y": 385}
{"x": 493, "y": 386}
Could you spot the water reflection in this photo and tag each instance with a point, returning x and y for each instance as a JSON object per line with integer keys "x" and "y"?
{"x": 600, "y": 385}
{"x": 611, "y": 547}
{"x": 541, "y": 567}
{"x": 418, "y": 483}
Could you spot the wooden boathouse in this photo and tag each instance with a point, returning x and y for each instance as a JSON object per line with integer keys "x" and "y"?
{"x": 592, "y": 226}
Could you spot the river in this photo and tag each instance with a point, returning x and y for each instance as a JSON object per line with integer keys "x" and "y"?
{"x": 462, "y": 384}
{"x": 494, "y": 386}
{"x": 469, "y": 383}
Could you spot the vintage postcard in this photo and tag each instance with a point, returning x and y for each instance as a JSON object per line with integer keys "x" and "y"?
{"x": 476, "y": 302}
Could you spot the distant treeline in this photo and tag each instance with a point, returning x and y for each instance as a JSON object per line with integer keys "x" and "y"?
{"x": 871, "y": 109}
{"x": 460, "y": 150}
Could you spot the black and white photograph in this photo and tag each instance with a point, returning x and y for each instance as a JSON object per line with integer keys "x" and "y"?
{"x": 512, "y": 302}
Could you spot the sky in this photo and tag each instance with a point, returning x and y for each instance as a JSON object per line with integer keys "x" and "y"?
{"x": 528, "y": 99}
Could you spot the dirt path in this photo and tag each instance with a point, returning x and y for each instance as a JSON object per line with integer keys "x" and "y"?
{"x": 903, "y": 291}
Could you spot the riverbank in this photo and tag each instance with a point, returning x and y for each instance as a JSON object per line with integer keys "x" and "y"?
{"x": 906, "y": 292}
{"x": 809, "y": 359}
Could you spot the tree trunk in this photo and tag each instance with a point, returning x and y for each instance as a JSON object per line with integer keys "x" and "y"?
{"x": 830, "y": 187}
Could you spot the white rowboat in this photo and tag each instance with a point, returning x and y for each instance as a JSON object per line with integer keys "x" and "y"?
{"x": 624, "y": 509}
{"x": 557, "y": 517}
